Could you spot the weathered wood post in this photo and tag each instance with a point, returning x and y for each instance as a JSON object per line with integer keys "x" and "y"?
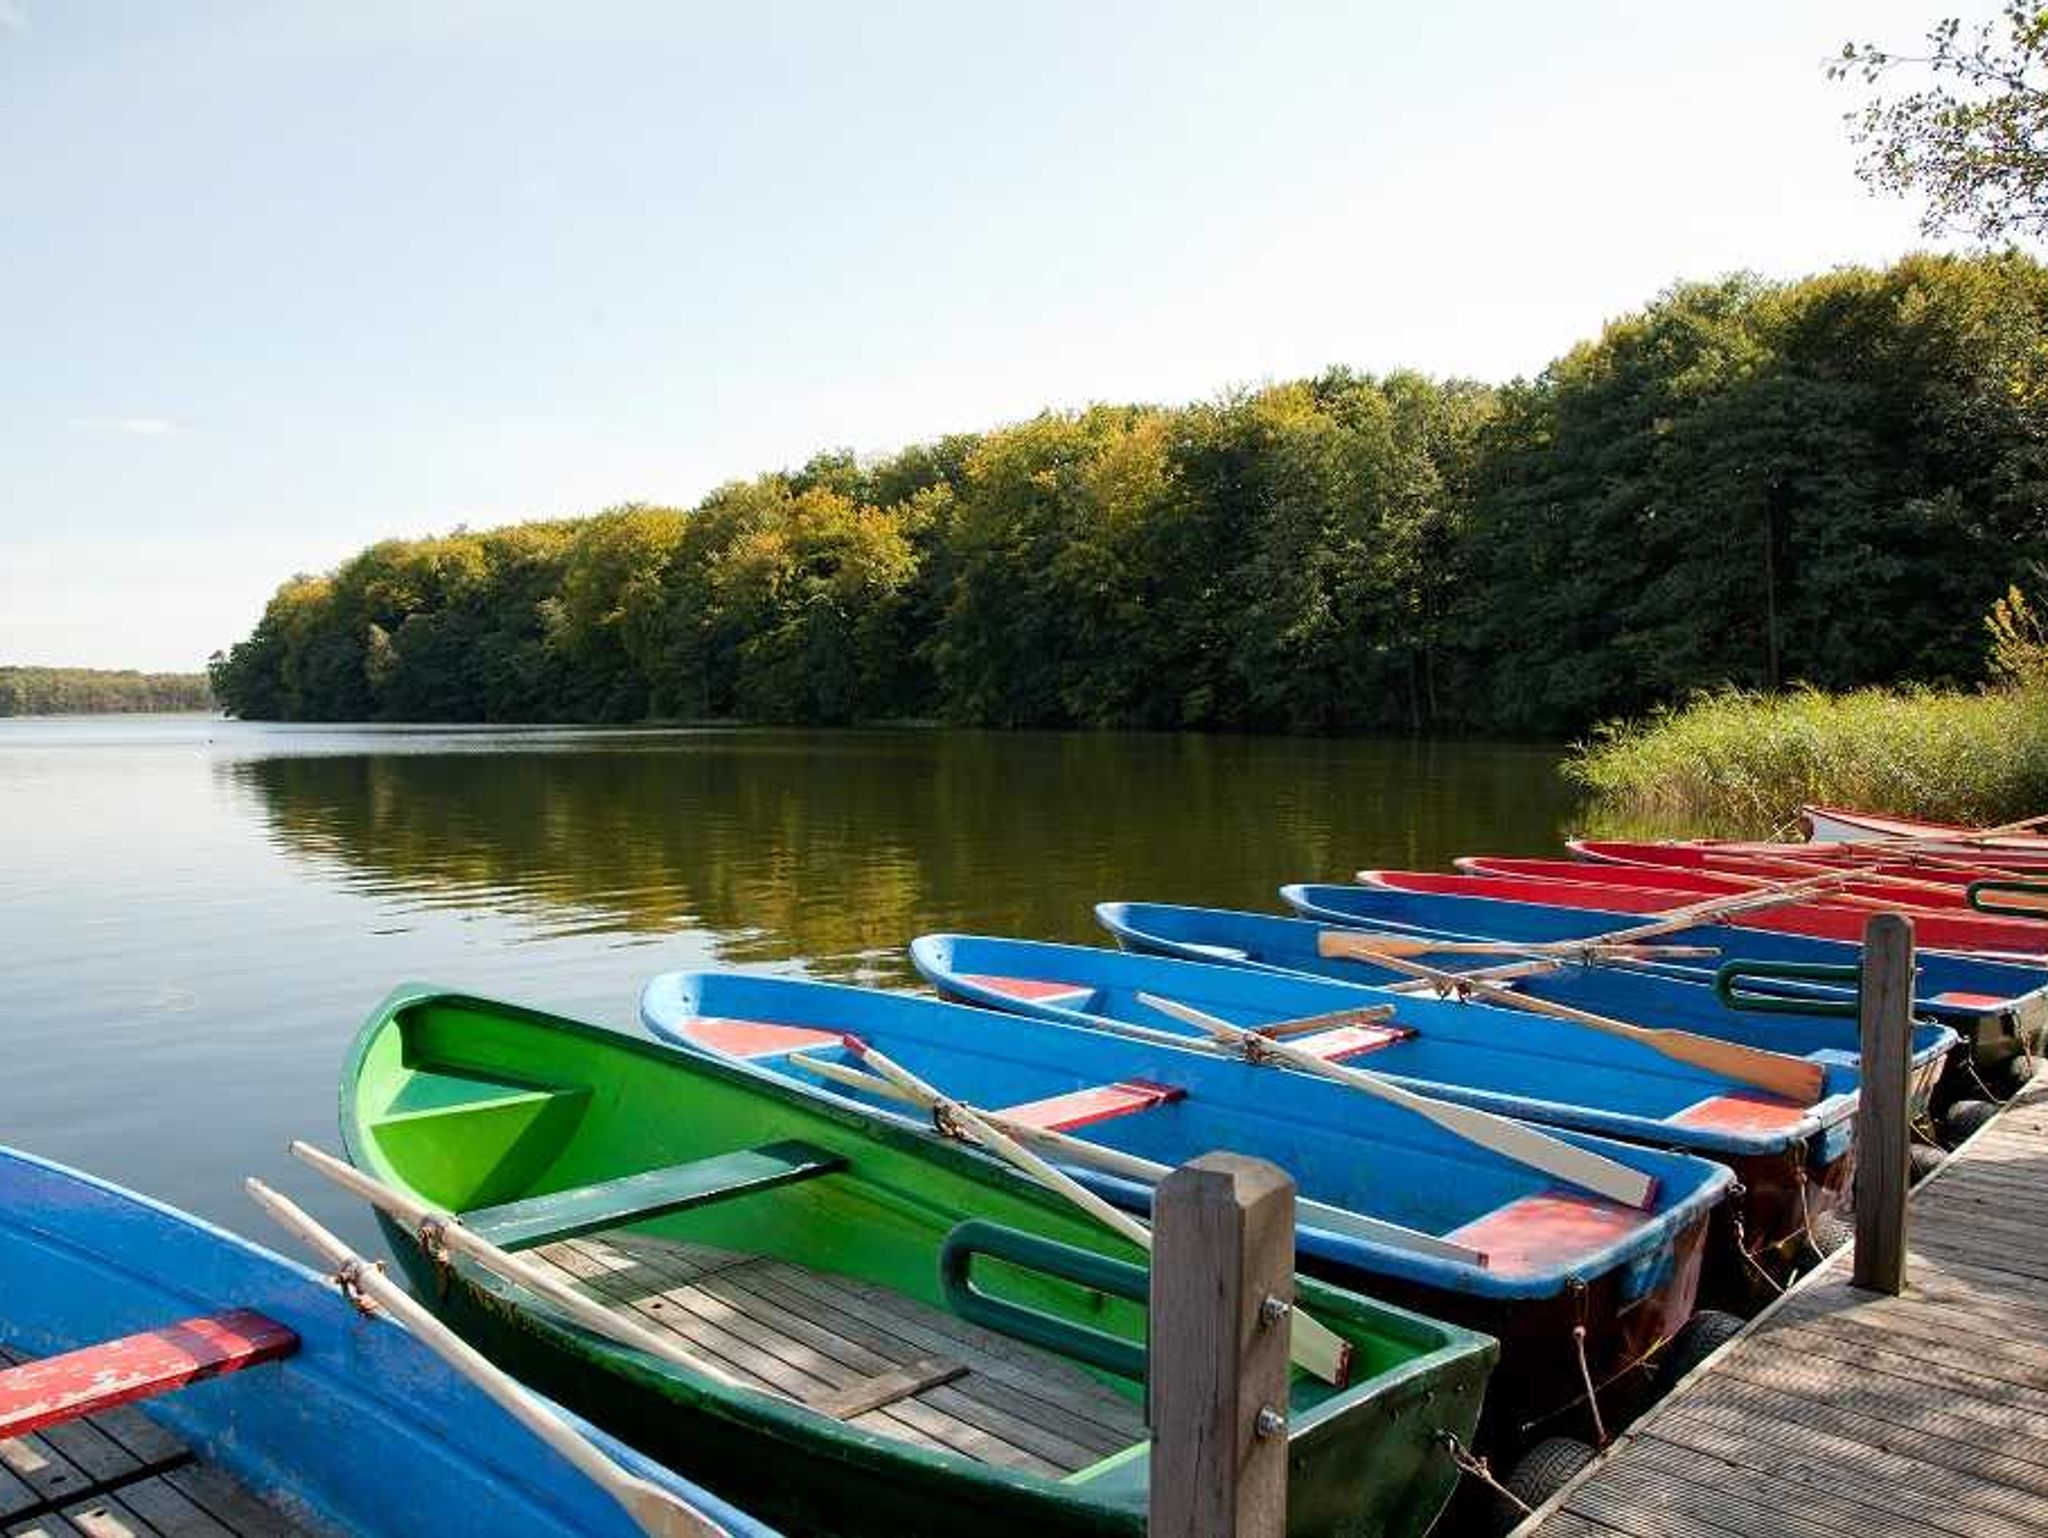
{"x": 1883, "y": 1128}
{"x": 1222, "y": 1285}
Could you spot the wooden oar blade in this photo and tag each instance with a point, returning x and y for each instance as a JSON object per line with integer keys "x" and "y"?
{"x": 1511, "y": 1139}
{"x": 1364, "y": 944}
{"x": 1581, "y": 1167}
{"x": 1798, "y": 1079}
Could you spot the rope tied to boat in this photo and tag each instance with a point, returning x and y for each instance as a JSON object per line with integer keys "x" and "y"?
{"x": 1580, "y": 1303}
{"x": 349, "y": 1280}
{"x": 1742, "y": 1243}
{"x": 1970, "y": 1067}
{"x": 1802, "y": 1190}
{"x": 1472, "y": 1463}
{"x": 432, "y": 1236}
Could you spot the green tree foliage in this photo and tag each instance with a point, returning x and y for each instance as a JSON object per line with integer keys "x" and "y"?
{"x": 1973, "y": 139}
{"x": 1757, "y": 485}
{"x": 98, "y": 691}
{"x": 1745, "y": 484}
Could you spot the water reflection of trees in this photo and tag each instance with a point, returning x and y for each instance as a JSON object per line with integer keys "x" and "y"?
{"x": 837, "y": 847}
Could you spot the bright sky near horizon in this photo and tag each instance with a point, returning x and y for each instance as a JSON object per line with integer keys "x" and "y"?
{"x": 280, "y": 279}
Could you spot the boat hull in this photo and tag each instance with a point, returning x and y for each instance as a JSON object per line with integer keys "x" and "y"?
{"x": 1841, "y": 825}
{"x": 1792, "y": 1168}
{"x": 1645, "y": 894}
{"x": 327, "y": 1434}
{"x": 1364, "y": 1459}
{"x": 1999, "y": 1008}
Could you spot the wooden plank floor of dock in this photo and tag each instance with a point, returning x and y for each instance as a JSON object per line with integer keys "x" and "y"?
{"x": 1840, "y": 1411}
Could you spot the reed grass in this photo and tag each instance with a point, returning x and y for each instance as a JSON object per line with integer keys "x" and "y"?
{"x": 1738, "y": 764}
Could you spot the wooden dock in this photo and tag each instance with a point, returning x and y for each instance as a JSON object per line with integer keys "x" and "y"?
{"x": 1844, "y": 1411}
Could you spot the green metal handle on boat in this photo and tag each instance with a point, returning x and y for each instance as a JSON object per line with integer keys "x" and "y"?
{"x": 1730, "y": 975}
{"x": 1973, "y": 894}
{"x": 1048, "y": 1257}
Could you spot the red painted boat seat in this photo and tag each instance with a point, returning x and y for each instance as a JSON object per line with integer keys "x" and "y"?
{"x": 1970, "y": 1000}
{"x": 1349, "y": 1041}
{"x": 1548, "y": 1229}
{"x": 98, "y": 1377}
{"x": 755, "y": 1038}
{"x": 1034, "y": 990}
{"x": 1744, "y": 1112}
{"x": 1101, "y": 1102}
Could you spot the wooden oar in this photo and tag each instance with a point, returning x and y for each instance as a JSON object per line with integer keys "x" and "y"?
{"x": 1510, "y": 1139}
{"x": 1796, "y": 1078}
{"x": 1113, "y": 1161}
{"x": 1412, "y": 945}
{"x": 2012, "y": 827}
{"x": 1795, "y": 867}
{"x": 448, "y": 1228}
{"x": 1328, "y": 1020}
{"x": 653, "y": 1509}
{"x": 1713, "y": 910}
{"x": 1312, "y": 1345}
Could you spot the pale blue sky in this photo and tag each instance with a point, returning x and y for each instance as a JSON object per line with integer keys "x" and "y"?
{"x": 280, "y": 279}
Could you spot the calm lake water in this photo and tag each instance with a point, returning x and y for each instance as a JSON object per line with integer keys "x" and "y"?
{"x": 196, "y": 913}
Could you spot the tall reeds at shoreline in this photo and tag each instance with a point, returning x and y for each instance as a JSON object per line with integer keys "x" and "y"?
{"x": 1739, "y": 763}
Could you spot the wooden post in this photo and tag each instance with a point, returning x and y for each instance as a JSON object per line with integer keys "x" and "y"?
{"x": 1883, "y": 1132}
{"x": 1222, "y": 1281}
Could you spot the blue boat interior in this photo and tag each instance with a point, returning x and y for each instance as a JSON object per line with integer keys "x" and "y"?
{"x": 1648, "y": 994}
{"x": 1940, "y": 972}
{"x": 1511, "y": 1062}
{"x": 1344, "y": 1148}
{"x": 325, "y": 1435}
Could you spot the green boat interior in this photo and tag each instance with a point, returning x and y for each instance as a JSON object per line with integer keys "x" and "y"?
{"x": 784, "y": 1246}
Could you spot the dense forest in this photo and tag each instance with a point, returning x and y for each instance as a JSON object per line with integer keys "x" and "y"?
{"x": 94, "y": 691}
{"x": 1746, "y": 483}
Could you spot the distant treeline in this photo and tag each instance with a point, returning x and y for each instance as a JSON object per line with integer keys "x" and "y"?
{"x": 1745, "y": 484}
{"x": 93, "y": 691}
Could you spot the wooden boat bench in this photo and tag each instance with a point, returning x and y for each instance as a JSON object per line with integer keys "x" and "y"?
{"x": 536, "y": 1220}
{"x": 52, "y": 1390}
{"x": 1098, "y": 1102}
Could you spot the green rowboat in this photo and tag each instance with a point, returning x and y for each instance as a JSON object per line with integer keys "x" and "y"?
{"x": 875, "y": 1367}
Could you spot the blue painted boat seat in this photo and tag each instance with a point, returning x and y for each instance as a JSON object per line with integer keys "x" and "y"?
{"x": 649, "y": 1194}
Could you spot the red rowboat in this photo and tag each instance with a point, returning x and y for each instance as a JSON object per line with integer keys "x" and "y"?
{"x": 1822, "y": 920}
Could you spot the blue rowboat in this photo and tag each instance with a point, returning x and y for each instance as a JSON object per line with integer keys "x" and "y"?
{"x": 1795, "y": 1163}
{"x": 1997, "y": 1007}
{"x": 1553, "y": 1256}
{"x": 298, "y": 1413}
{"x": 1658, "y": 994}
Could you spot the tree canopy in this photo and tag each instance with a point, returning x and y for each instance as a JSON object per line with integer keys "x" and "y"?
{"x": 1745, "y": 483}
{"x": 98, "y": 691}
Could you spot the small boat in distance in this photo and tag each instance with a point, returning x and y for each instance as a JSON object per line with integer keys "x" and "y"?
{"x": 831, "y": 1353}
{"x": 273, "y": 1405}
{"x": 1845, "y": 825}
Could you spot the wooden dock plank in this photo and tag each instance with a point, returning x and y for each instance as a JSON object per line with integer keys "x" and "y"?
{"x": 1844, "y": 1411}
